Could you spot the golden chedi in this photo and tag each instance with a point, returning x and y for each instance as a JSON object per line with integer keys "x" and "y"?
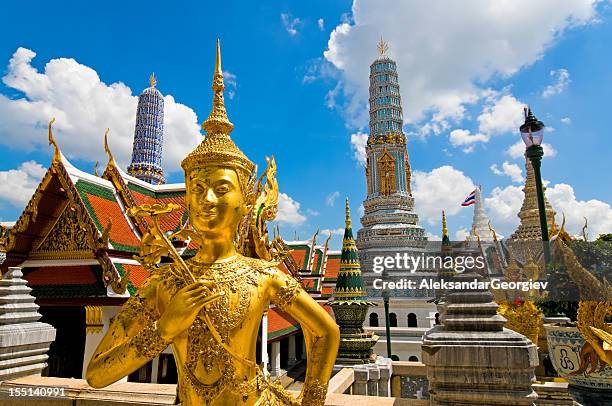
{"x": 209, "y": 308}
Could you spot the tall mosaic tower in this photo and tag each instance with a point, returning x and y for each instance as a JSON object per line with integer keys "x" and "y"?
{"x": 390, "y": 223}
{"x": 149, "y": 136}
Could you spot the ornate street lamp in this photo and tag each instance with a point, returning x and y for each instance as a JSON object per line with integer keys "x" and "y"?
{"x": 532, "y": 133}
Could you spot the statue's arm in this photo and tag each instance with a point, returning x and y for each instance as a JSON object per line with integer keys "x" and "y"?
{"x": 321, "y": 334}
{"x": 131, "y": 340}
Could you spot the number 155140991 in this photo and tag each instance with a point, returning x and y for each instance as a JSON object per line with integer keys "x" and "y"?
{"x": 38, "y": 391}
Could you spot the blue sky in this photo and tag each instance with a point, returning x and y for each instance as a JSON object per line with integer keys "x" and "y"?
{"x": 298, "y": 72}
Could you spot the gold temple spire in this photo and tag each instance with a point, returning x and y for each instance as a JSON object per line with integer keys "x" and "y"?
{"x": 382, "y": 47}
{"x": 347, "y": 213}
{"x": 217, "y": 121}
{"x": 444, "y": 229}
{"x": 56, "y": 154}
{"x": 152, "y": 80}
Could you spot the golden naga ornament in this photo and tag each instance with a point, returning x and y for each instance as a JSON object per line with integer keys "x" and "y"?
{"x": 594, "y": 309}
{"x": 209, "y": 308}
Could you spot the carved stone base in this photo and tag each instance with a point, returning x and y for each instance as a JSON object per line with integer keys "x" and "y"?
{"x": 479, "y": 368}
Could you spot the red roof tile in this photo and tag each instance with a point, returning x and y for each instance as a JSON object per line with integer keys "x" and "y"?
{"x": 61, "y": 275}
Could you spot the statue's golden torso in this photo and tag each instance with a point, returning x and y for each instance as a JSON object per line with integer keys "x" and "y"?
{"x": 208, "y": 374}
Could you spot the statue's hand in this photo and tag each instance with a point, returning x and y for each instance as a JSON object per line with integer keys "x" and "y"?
{"x": 184, "y": 308}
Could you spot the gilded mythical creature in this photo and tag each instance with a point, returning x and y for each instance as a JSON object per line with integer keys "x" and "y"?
{"x": 208, "y": 308}
{"x": 594, "y": 307}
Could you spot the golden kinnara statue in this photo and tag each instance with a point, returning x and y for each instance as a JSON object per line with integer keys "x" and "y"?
{"x": 209, "y": 308}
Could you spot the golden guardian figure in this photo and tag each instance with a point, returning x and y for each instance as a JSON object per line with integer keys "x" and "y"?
{"x": 209, "y": 307}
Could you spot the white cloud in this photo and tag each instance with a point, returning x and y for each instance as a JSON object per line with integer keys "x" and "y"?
{"x": 327, "y": 231}
{"x": 443, "y": 188}
{"x": 432, "y": 237}
{"x": 331, "y": 198}
{"x": 465, "y": 138}
{"x": 566, "y": 120}
{"x": 321, "y": 24}
{"x": 461, "y": 234}
{"x": 361, "y": 210}
{"x": 18, "y": 185}
{"x": 443, "y": 70}
{"x": 230, "y": 84}
{"x": 84, "y": 107}
{"x": 358, "y": 145}
{"x": 517, "y": 150}
{"x": 598, "y": 213}
{"x": 503, "y": 116}
{"x": 512, "y": 170}
{"x": 290, "y": 24}
{"x": 562, "y": 81}
{"x": 312, "y": 212}
{"x": 289, "y": 211}
{"x": 503, "y": 205}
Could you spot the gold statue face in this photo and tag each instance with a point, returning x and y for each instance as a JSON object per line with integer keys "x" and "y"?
{"x": 215, "y": 200}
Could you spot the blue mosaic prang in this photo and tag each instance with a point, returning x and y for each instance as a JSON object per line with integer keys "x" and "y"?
{"x": 386, "y": 116}
{"x": 148, "y": 137}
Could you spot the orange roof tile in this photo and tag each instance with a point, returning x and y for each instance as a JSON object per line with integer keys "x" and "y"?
{"x": 333, "y": 267}
{"x": 299, "y": 255}
{"x": 138, "y": 274}
{"x": 106, "y": 210}
{"x": 280, "y": 324}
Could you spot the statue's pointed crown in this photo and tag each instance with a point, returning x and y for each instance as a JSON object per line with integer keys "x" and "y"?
{"x": 217, "y": 148}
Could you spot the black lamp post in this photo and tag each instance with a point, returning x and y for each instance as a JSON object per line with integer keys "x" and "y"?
{"x": 385, "y": 296}
{"x": 532, "y": 133}
{"x": 387, "y": 322}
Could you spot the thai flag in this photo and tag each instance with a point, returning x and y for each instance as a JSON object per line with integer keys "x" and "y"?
{"x": 470, "y": 200}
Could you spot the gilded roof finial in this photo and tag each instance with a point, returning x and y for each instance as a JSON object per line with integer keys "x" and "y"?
{"x": 382, "y": 47}
{"x": 347, "y": 213}
{"x": 96, "y": 168}
{"x": 106, "y": 148}
{"x": 444, "y": 229}
{"x": 563, "y": 234}
{"x": 493, "y": 231}
{"x": 217, "y": 121}
{"x": 152, "y": 80}
{"x": 56, "y": 155}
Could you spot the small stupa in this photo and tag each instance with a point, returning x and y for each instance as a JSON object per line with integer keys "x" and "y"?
{"x": 350, "y": 305}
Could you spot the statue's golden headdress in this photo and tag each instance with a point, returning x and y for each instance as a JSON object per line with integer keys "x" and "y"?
{"x": 217, "y": 148}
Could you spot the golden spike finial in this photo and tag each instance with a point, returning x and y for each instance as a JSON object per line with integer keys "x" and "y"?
{"x": 56, "y": 155}
{"x": 106, "y": 147}
{"x": 347, "y": 214}
{"x": 218, "y": 60}
{"x": 153, "y": 80}
{"x": 444, "y": 229}
{"x": 382, "y": 47}
{"x": 493, "y": 231}
{"x": 217, "y": 121}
